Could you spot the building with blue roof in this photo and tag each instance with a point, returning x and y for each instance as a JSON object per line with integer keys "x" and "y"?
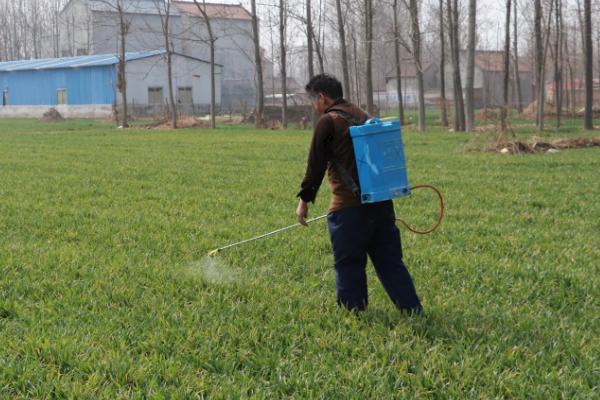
{"x": 87, "y": 27}
{"x": 86, "y": 86}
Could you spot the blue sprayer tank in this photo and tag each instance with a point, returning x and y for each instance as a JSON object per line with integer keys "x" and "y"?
{"x": 380, "y": 160}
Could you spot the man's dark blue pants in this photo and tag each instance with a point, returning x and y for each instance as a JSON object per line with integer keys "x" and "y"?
{"x": 369, "y": 230}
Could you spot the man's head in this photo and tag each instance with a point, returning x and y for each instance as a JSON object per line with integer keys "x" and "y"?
{"x": 324, "y": 90}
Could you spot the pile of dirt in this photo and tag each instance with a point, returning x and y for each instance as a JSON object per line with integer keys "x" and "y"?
{"x": 52, "y": 115}
{"x": 295, "y": 114}
{"x": 486, "y": 115}
{"x": 270, "y": 124}
{"x": 577, "y": 143}
{"x": 536, "y": 145}
{"x": 595, "y": 112}
{"x": 549, "y": 110}
{"x": 182, "y": 122}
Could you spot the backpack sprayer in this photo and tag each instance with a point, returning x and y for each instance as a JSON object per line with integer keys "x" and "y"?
{"x": 379, "y": 154}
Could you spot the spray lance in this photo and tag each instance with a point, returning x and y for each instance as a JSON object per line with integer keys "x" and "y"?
{"x": 214, "y": 252}
{"x": 379, "y": 153}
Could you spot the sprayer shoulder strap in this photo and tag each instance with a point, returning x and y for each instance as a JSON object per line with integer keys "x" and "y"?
{"x": 345, "y": 175}
{"x": 352, "y": 120}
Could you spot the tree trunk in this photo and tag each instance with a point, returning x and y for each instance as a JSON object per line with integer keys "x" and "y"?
{"x": 557, "y": 63}
{"x": 122, "y": 81}
{"x": 516, "y": 59}
{"x": 542, "y": 67}
{"x": 469, "y": 95}
{"x": 171, "y": 92}
{"x": 539, "y": 64}
{"x": 212, "y": 42}
{"x": 459, "y": 108}
{"x": 398, "y": 67}
{"x": 167, "y": 34}
{"x": 309, "y": 40}
{"x": 598, "y": 50}
{"x": 369, "y": 60}
{"x": 319, "y": 56}
{"x": 282, "y": 50}
{"x": 589, "y": 69}
{"x": 309, "y": 49}
{"x": 357, "y": 74}
{"x": 443, "y": 103}
{"x": 260, "y": 98}
{"x": 506, "y": 62}
{"x": 570, "y": 48}
{"x": 342, "y": 32}
{"x": 416, "y": 48}
{"x": 319, "y": 41}
{"x": 213, "y": 85}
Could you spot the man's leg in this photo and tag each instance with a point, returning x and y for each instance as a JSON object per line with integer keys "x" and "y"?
{"x": 349, "y": 241}
{"x": 385, "y": 250}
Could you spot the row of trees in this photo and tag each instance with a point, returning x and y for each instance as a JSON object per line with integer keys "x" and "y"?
{"x": 354, "y": 38}
{"x": 26, "y": 26}
{"x": 454, "y": 25}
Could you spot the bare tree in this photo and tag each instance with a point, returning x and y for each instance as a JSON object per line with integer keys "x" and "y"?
{"x": 539, "y": 63}
{"x": 542, "y": 40}
{"x": 469, "y": 95}
{"x": 343, "y": 50}
{"x": 453, "y": 28}
{"x": 589, "y": 69}
{"x": 122, "y": 80}
{"x": 310, "y": 52}
{"x": 163, "y": 9}
{"x": 558, "y": 56}
{"x": 123, "y": 27}
{"x": 506, "y": 62}
{"x": 397, "y": 57}
{"x": 357, "y": 71}
{"x": 212, "y": 40}
{"x": 416, "y": 49}
{"x": 34, "y": 24}
{"x": 309, "y": 40}
{"x": 569, "y": 47}
{"x": 260, "y": 98}
{"x": 369, "y": 58}
{"x": 283, "y": 67}
{"x": 319, "y": 39}
{"x": 443, "y": 101}
{"x": 516, "y": 59}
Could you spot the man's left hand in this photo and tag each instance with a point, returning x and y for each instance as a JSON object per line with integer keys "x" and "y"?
{"x": 302, "y": 212}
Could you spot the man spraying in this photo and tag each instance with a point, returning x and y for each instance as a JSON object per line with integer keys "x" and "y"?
{"x": 356, "y": 230}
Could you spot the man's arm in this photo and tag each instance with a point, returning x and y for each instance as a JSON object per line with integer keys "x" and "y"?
{"x": 318, "y": 157}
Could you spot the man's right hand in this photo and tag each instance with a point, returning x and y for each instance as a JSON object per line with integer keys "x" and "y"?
{"x": 302, "y": 212}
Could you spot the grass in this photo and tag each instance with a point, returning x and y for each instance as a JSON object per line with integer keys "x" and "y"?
{"x": 105, "y": 291}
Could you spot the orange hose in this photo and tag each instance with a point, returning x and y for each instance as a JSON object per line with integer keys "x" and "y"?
{"x": 440, "y": 218}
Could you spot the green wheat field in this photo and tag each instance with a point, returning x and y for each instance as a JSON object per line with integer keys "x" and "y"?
{"x": 106, "y": 291}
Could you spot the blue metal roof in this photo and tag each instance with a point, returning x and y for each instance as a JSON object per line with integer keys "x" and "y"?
{"x": 74, "y": 62}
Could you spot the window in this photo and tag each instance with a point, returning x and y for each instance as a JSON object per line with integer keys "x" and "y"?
{"x": 5, "y": 97}
{"x": 65, "y": 53}
{"x": 61, "y": 96}
{"x": 155, "y": 95}
{"x": 184, "y": 95}
{"x": 82, "y": 52}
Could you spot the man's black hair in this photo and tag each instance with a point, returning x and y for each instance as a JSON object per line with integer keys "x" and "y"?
{"x": 325, "y": 84}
